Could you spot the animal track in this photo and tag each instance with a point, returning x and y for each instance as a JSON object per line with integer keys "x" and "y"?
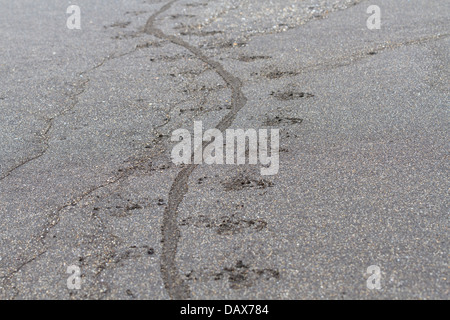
{"x": 118, "y": 205}
{"x": 239, "y": 276}
{"x": 119, "y": 25}
{"x": 135, "y": 13}
{"x": 226, "y": 225}
{"x": 241, "y": 182}
{"x": 179, "y": 15}
{"x": 252, "y": 58}
{"x": 201, "y": 33}
{"x": 276, "y": 74}
{"x": 291, "y": 95}
{"x": 281, "y": 121}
